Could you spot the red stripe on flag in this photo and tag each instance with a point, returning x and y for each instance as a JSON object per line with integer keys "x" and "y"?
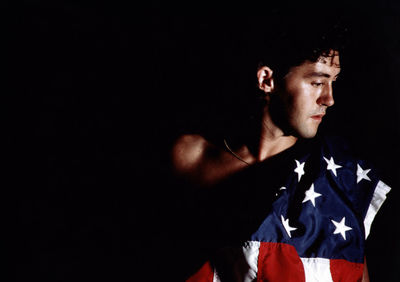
{"x": 205, "y": 274}
{"x": 279, "y": 262}
{"x": 345, "y": 271}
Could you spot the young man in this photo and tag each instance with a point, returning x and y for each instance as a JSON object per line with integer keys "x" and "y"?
{"x": 275, "y": 202}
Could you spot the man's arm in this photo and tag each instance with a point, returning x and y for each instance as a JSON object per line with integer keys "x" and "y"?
{"x": 365, "y": 273}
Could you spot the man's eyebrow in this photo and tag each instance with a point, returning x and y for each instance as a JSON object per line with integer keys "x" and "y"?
{"x": 321, "y": 74}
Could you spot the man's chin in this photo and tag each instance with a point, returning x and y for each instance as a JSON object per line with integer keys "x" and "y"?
{"x": 305, "y": 134}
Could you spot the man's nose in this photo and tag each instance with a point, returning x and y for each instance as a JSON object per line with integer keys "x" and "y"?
{"x": 326, "y": 97}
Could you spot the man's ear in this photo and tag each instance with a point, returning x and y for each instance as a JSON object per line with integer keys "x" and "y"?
{"x": 265, "y": 79}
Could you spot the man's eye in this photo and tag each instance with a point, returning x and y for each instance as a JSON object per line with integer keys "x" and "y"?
{"x": 317, "y": 84}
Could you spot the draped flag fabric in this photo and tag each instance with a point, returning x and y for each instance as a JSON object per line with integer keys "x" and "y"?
{"x": 316, "y": 229}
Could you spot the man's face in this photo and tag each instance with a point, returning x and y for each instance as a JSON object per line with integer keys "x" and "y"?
{"x": 307, "y": 93}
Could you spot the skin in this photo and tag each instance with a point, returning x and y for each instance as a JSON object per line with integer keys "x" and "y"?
{"x": 308, "y": 93}
{"x": 294, "y": 109}
{"x": 301, "y": 99}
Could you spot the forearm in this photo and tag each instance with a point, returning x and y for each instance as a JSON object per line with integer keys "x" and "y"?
{"x": 365, "y": 272}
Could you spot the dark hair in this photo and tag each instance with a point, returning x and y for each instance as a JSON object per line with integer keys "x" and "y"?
{"x": 279, "y": 39}
{"x": 294, "y": 38}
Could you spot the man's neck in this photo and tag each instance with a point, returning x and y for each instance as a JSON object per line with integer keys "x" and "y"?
{"x": 269, "y": 147}
{"x": 270, "y": 140}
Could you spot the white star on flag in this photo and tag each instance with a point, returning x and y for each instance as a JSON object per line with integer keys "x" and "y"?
{"x": 362, "y": 174}
{"x": 299, "y": 169}
{"x": 311, "y": 195}
{"x": 286, "y": 225}
{"x": 341, "y": 227}
{"x": 331, "y": 165}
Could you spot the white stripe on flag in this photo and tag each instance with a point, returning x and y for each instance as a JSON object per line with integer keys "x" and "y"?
{"x": 216, "y": 277}
{"x": 378, "y": 198}
{"x": 251, "y": 251}
{"x": 317, "y": 269}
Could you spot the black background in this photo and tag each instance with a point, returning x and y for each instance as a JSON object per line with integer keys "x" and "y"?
{"x": 96, "y": 91}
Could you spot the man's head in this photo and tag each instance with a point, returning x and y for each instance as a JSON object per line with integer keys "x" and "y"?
{"x": 298, "y": 101}
{"x": 282, "y": 44}
{"x": 297, "y": 65}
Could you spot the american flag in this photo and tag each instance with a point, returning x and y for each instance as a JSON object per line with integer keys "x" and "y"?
{"x": 317, "y": 226}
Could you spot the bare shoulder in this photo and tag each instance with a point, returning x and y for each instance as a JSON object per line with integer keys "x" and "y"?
{"x": 188, "y": 152}
{"x": 201, "y": 161}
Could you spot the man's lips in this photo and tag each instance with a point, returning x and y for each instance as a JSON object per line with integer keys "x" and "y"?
{"x": 317, "y": 117}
